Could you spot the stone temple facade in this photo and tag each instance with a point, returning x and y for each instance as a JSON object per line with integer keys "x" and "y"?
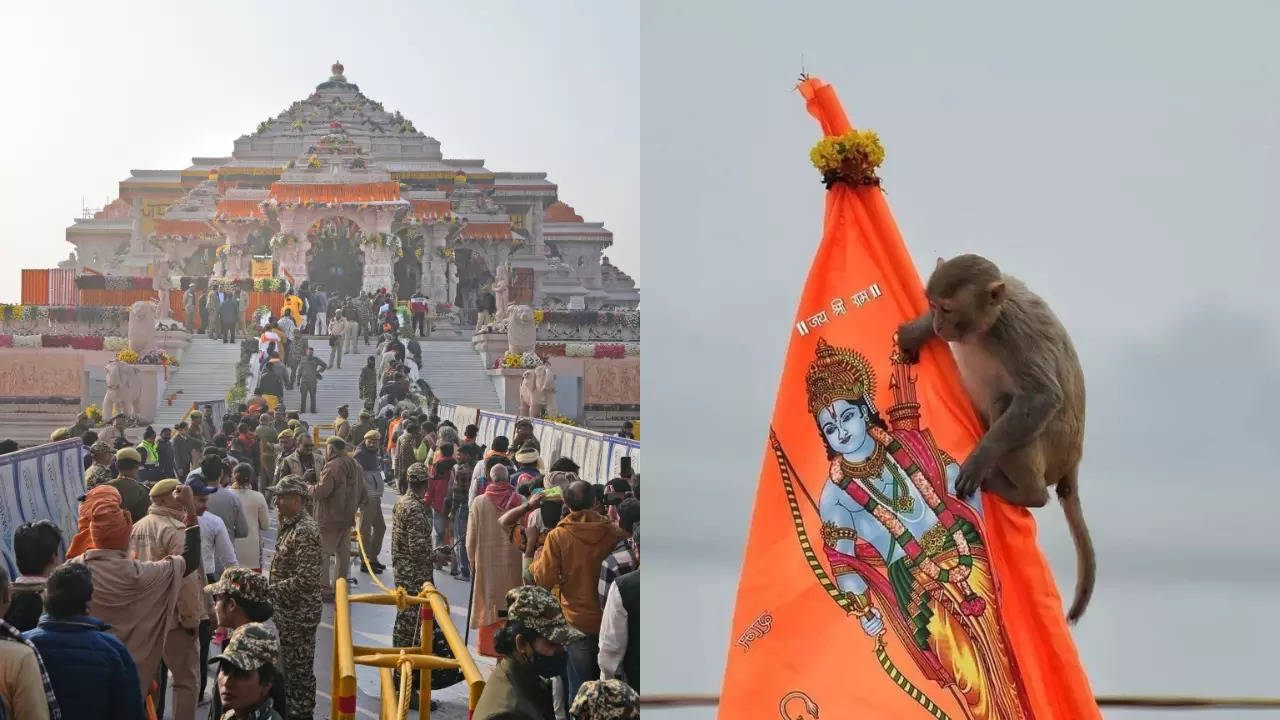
{"x": 340, "y": 191}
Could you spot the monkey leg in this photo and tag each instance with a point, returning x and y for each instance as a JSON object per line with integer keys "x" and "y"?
{"x": 1018, "y": 477}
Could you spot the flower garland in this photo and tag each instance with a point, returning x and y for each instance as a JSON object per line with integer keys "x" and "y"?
{"x": 630, "y": 318}
{"x": 512, "y": 361}
{"x": 261, "y": 312}
{"x": 127, "y": 356}
{"x": 598, "y": 351}
{"x": 561, "y": 420}
{"x": 94, "y": 413}
{"x": 280, "y": 240}
{"x": 387, "y": 240}
{"x": 852, "y": 158}
{"x": 268, "y": 284}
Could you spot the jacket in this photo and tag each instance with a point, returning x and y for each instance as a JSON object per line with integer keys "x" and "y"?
{"x": 371, "y": 463}
{"x": 569, "y": 565}
{"x": 515, "y": 688}
{"x": 134, "y": 497}
{"x": 26, "y": 604}
{"x": 92, "y": 673}
{"x": 438, "y": 485}
{"x": 340, "y": 492}
{"x": 158, "y": 536}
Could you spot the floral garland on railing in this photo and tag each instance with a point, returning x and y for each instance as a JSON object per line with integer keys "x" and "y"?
{"x": 599, "y": 351}
{"x": 112, "y": 282}
{"x": 587, "y": 317}
{"x": 64, "y": 313}
{"x": 852, "y": 158}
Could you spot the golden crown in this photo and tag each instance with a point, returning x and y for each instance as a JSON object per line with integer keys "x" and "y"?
{"x": 838, "y": 374}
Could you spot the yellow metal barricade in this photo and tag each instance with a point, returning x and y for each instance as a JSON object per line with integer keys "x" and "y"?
{"x": 433, "y": 607}
{"x": 315, "y": 431}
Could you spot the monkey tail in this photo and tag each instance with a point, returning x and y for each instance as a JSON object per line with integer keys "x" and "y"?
{"x": 1086, "y": 561}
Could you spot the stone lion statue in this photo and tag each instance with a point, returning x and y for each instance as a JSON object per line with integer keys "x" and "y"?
{"x": 123, "y": 389}
{"x": 522, "y": 334}
{"x": 538, "y": 392}
{"x": 142, "y": 325}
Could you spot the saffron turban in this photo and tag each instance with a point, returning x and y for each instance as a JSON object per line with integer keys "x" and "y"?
{"x": 102, "y": 525}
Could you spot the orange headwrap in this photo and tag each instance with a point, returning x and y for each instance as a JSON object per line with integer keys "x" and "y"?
{"x": 103, "y": 524}
{"x": 82, "y": 541}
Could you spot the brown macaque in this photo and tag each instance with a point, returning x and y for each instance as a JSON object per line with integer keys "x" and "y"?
{"x": 1024, "y": 378}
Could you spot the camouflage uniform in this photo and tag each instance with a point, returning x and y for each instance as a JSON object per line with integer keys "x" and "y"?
{"x": 605, "y": 700}
{"x": 296, "y": 599}
{"x": 96, "y": 474}
{"x": 411, "y": 562}
{"x": 250, "y": 647}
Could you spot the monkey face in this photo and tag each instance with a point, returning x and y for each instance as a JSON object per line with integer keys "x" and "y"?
{"x": 969, "y": 312}
{"x": 844, "y": 426}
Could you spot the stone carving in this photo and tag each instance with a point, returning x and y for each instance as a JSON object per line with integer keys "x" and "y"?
{"x": 611, "y": 382}
{"x": 522, "y": 333}
{"x": 38, "y": 374}
{"x": 142, "y": 325}
{"x": 501, "y": 291}
{"x": 123, "y": 389}
{"x": 538, "y": 392}
{"x": 162, "y": 284}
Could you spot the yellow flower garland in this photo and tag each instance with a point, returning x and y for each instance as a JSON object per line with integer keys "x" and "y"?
{"x": 852, "y": 157}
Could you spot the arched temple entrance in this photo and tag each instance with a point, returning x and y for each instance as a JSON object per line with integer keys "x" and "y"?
{"x": 408, "y": 267}
{"x": 335, "y": 260}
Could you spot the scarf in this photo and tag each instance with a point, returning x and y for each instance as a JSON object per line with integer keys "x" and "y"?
{"x": 503, "y": 495}
{"x": 9, "y": 632}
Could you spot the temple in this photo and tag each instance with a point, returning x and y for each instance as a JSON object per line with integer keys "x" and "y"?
{"x": 338, "y": 190}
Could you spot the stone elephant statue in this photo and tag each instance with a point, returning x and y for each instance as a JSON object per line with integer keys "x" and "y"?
{"x": 124, "y": 389}
{"x": 538, "y": 392}
{"x": 522, "y": 333}
{"x": 142, "y": 325}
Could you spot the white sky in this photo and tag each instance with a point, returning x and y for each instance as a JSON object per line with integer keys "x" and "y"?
{"x": 94, "y": 89}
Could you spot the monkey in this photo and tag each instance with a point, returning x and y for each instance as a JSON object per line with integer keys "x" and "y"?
{"x": 1023, "y": 375}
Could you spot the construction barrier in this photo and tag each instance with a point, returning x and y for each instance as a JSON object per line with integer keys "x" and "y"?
{"x": 213, "y": 411}
{"x": 433, "y": 608}
{"x": 42, "y": 482}
{"x": 598, "y": 455}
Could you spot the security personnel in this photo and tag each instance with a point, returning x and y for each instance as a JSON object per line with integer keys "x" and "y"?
{"x": 296, "y": 593}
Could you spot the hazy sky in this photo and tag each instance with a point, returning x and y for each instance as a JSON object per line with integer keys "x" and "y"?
{"x": 93, "y": 90}
{"x": 1120, "y": 157}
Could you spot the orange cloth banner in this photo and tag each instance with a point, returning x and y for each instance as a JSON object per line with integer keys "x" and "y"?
{"x": 869, "y": 590}
{"x": 334, "y": 193}
{"x": 35, "y": 287}
{"x": 238, "y": 209}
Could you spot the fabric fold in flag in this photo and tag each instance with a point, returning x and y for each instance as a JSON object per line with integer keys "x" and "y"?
{"x": 869, "y": 590}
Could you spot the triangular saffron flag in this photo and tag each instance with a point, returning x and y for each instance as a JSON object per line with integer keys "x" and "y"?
{"x": 869, "y": 590}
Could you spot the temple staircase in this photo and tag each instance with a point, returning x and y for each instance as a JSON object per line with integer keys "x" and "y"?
{"x": 456, "y": 375}
{"x": 208, "y": 369}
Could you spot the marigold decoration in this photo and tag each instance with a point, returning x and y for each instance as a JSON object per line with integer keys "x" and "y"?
{"x": 127, "y": 356}
{"x": 313, "y": 161}
{"x": 852, "y": 157}
{"x": 538, "y": 315}
{"x": 94, "y": 413}
{"x": 561, "y": 420}
{"x": 512, "y": 361}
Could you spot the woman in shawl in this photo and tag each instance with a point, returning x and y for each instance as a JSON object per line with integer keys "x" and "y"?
{"x": 495, "y": 562}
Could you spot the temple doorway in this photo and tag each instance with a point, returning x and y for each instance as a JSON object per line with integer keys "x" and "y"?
{"x": 336, "y": 261}
{"x": 408, "y": 267}
{"x": 473, "y": 277}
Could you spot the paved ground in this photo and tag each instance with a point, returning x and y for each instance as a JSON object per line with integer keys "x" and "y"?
{"x": 371, "y": 625}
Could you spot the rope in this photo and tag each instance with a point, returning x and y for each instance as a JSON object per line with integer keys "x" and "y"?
{"x": 406, "y": 686}
{"x": 401, "y": 595}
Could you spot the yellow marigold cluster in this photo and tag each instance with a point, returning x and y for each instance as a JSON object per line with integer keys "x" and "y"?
{"x": 538, "y": 315}
{"x": 854, "y": 156}
{"x": 127, "y": 356}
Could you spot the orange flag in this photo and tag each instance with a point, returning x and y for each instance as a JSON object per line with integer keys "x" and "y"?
{"x": 869, "y": 590}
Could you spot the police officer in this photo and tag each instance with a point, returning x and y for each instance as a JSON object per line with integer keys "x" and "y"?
{"x": 296, "y": 592}
{"x": 247, "y": 674}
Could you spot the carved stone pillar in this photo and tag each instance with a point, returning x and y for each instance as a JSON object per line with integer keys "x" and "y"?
{"x": 379, "y": 267}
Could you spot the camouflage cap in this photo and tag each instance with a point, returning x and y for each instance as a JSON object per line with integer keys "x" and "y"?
{"x": 99, "y": 448}
{"x": 241, "y": 583}
{"x": 605, "y": 700}
{"x": 536, "y": 608}
{"x": 291, "y": 485}
{"x": 418, "y": 473}
{"x": 250, "y": 647}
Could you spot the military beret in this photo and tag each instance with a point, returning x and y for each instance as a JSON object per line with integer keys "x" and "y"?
{"x": 373, "y": 435}
{"x": 128, "y": 453}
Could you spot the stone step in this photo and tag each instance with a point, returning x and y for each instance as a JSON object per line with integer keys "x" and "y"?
{"x": 457, "y": 375}
{"x": 208, "y": 369}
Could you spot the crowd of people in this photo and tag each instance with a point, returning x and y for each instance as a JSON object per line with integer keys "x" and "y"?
{"x": 170, "y": 556}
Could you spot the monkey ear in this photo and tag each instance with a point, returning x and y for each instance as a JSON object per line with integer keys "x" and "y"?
{"x": 996, "y": 292}
{"x": 939, "y": 263}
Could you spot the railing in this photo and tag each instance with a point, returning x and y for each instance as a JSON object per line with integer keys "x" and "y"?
{"x": 598, "y": 455}
{"x": 433, "y": 607}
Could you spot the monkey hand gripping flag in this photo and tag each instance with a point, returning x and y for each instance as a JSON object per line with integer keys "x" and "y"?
{"x": 870, "y": 590}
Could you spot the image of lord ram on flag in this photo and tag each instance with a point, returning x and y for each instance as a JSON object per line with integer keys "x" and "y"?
{"x": 905, "y": 554}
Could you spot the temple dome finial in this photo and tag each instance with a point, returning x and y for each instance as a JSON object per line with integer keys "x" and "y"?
{"x": 337, "y": 72}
